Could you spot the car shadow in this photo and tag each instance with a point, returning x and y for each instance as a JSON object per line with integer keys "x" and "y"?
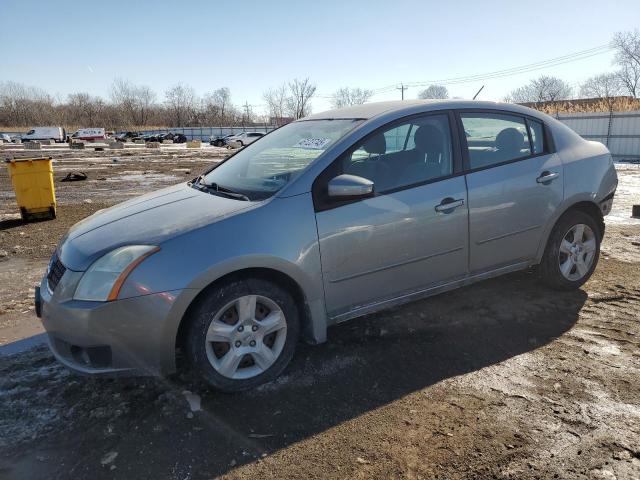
{"x": 365, "y": 364}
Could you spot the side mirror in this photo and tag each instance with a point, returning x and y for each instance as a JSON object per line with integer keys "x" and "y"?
{"x": 350, "y": 186}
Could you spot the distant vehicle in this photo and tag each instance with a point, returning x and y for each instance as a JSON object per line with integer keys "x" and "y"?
{"x": 128, "y": 136}
{"x": 5, "y": 138}
{"x": 88, "y": 134}
{"x": 57, "y": 134}
{"x": 244, "y": 138}
{"x": 219, "y": 141}
{"x": 176, "y": 137}
{"x": 152, "y": 137}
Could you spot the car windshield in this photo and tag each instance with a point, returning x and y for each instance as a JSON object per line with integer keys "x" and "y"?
{"x": 265, "y": 166}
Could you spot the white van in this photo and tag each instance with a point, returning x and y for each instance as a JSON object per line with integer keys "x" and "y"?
{"x": 88, "y": 134}
{"x": 56, "y": 134}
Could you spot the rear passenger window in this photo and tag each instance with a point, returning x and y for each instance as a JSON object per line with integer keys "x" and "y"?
{"x": 495, "y": 138}
{"x": 537, "y": 136}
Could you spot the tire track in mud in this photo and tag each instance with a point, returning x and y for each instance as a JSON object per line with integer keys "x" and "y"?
{"x": 594, "y": 419}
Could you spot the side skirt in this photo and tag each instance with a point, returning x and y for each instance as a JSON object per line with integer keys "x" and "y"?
{"x": 427, "y": 292}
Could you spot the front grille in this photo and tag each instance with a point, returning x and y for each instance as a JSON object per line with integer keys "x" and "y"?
{"x": 56, "y": 270}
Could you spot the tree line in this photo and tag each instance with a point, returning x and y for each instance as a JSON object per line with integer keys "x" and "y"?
{"x": 133, "y": 106}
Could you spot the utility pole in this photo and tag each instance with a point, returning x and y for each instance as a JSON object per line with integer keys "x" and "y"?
{"x": 246, "y": 111}
{"x": 402, "y": 88}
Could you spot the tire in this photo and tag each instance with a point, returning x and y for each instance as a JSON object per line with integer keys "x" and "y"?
{"x": 218, "y": 316}
{"x": 240, "y": 143}
{"x": 567, "y": 266}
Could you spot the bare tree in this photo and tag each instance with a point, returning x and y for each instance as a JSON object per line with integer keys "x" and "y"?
{"x": 542, "y": 89}
{"x": 24, "y": 106}
{"x": 627, "y": 46}
{"x": 605, "y": 86}
{"x": 180, "y": 101}
{"x": 433, "y": 92}
{"x": 301, "y": 92}
{"x": 216, "y": 107}
{"x": 144, "y": 104}
{"x": 346, "y": 97}
{"x": 277, "y": 101}
{"x": 83, "y": 109}
{"x": 135, "y": 102}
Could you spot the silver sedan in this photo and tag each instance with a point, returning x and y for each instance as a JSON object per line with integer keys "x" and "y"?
{"x": 328, "y": 218}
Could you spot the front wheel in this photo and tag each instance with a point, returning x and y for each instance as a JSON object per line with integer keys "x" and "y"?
{"x": 572, "y": 251}
{"x": 243, "y": 334}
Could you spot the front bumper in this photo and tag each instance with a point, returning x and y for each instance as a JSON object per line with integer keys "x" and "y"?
{"x": 128, "y": 337}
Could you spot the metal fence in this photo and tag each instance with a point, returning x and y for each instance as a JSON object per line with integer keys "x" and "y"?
{"x": 619, "y": 131}
{"x": 203, "y": 133}
{"x": 193, "y": 133}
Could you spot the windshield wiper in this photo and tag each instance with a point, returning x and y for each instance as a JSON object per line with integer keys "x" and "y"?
{"x": 217, "y": 188}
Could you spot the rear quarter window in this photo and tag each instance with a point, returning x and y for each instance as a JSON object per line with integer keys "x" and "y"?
{"x": 537, "y": 136}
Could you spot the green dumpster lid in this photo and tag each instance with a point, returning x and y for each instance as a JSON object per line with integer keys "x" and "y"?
{"x": 35, "y": 159}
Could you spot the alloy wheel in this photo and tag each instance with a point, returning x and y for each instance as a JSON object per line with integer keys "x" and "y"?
{"x": 577, "y": 252}
{"x": 246, "y": 337}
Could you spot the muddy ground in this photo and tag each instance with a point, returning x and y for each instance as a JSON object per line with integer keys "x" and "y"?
{"x": 503, "y": 379}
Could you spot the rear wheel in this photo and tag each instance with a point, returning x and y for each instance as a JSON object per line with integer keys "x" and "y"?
{"x": 572, "y": 251}
{"x": 243, "y": 334}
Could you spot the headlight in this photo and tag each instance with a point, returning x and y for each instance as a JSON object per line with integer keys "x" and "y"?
{"x": 104, "y": 278}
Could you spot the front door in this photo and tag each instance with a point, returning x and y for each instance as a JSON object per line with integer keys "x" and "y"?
{"x": 412, "y": 234}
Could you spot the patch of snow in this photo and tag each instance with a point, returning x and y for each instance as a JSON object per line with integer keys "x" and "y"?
{"x": 193, "y": 400}
{"x": 308, "y": 375}
{"x": 627, "y": 194}
{"x": 108, "y": 458}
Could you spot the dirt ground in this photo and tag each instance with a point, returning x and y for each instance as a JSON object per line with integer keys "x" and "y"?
{"x": 502, "y": 379}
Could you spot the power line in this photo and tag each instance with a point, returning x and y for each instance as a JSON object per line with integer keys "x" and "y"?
{"x": 526, "y": 68}
{"x": 513, "y": 71}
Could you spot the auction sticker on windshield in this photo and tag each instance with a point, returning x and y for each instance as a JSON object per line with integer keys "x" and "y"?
{"x": 313, "y": 143}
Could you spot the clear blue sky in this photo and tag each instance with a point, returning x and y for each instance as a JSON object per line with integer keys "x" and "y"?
{"x": 248, "y": 46}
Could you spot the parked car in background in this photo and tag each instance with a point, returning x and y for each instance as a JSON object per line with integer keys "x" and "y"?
{"x": 242, "y": 139}
{"x": 5, "y": 138}
{"x": 356, "y": 210}
{"x": 219, "y": 141}
{"x": 127, "y": 136}
{"x": 176, "y": 137}
{"x": 151, "y": 137}
{"x": 88, "y": 134}
{"x": 57, "y": 134}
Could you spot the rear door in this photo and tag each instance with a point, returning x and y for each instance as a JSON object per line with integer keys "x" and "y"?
{"x": 412, "y": 234}
{"x": 514, "y": 182}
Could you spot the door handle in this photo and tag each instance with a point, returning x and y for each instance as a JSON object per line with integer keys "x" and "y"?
{"x": 449, "y": 204}
{"x": 546, "y": 177}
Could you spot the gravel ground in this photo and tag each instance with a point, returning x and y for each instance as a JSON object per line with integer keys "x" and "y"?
{"x": 502, "y": 379}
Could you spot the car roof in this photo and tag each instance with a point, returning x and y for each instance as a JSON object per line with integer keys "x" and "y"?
{"x": 370, "y": 110}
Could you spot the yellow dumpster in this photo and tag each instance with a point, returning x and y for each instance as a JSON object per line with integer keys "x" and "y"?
{"x": 32, "y": 180}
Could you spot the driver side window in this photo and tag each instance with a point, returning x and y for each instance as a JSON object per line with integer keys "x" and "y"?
{"x": 405, "y": 154}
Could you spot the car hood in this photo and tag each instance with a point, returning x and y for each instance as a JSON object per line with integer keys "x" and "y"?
{"x": 149, "y": 220}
